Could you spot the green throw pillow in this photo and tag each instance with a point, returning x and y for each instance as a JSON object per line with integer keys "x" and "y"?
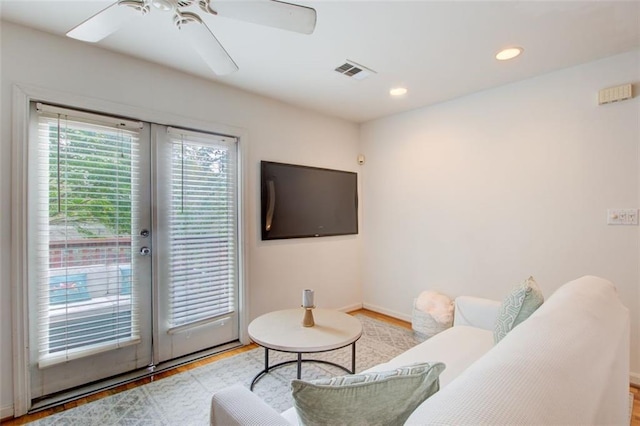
{"x": 523, "y": 300}
{"x": 377, "y": 398}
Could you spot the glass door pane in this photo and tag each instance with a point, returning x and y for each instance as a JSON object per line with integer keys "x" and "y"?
{"x": 198, "y": 265}
{"x": 87, "y": 277}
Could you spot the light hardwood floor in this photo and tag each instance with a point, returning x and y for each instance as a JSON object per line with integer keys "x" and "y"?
{"x": 635, "y": 420}
{"x": 635, "y": 416}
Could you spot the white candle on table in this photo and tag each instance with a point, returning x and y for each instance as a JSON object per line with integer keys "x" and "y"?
{"x": 307, "y": 298}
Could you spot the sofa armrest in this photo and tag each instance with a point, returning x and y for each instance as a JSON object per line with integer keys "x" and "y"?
{"x": 237, "y": 405}
{"x": 476, "y": 312}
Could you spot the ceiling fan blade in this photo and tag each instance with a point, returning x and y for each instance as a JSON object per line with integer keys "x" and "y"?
{"x": 208, "y": 47}
{"x": 271, "y": 13}
{"x": 108, "y": 20}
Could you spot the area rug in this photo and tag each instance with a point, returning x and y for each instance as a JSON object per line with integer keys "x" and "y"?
{"x": 184, "y": 399}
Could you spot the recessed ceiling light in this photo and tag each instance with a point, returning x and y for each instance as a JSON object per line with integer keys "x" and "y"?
{"x": 398, "y": 91}
{"x": 508, "y": 53}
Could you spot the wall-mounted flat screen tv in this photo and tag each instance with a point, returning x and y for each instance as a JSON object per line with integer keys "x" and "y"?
{"x": 301, "y": 201}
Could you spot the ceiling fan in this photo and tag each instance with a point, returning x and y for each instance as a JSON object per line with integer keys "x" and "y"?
{"x": 270, "y": 13}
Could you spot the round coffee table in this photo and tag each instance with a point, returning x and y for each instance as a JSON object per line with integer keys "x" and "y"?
{"x": 283, "y": 331}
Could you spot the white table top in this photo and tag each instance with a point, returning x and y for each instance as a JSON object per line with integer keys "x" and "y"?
{"x": 283, "y": 330}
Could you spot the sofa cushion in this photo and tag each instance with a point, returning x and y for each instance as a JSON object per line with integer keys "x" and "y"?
{"x": 373, "y": 398}
{"x": 476, "y": 312}
{"x": 457, "y": 347}
{"x": 523, "y": 300}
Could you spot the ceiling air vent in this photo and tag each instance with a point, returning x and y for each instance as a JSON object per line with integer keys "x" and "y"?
{"x": 356, "y": 71}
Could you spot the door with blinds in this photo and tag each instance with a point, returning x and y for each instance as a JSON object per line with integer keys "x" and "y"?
{"x": 132, "y": 245}
{"x": 89, "y": 289}
{"x": 196, "y": 242}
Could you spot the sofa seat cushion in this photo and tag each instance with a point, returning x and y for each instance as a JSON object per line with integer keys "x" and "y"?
{"x": 457, "y": 348}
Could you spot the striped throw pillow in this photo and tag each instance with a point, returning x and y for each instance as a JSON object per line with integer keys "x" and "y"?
{"x": 523, "y": 300}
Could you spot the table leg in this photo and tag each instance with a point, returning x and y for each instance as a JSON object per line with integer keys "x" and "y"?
{"x": 353, "y": 358}
{"x": 298, "y": 361}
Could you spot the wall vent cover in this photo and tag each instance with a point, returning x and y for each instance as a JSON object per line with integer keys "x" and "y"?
{"x": 615, "y": 94}
{"x": 354, "y": 70}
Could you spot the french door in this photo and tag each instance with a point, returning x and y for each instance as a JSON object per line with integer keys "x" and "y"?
{"x": 132, "y": 251}
{"x": 196, "y": 241}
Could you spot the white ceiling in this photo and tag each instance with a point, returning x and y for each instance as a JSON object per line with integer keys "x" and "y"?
{"x": 439, "y": 50}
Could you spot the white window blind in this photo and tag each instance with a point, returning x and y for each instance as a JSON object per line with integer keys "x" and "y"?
{"x": 84, "y": 190}
{"x": 202, "y": 227}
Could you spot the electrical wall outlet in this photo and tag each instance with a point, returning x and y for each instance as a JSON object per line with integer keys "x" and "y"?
{"x": 622, "y": 216}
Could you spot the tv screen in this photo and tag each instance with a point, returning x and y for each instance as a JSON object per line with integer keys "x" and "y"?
{"x": 301, "y": 201}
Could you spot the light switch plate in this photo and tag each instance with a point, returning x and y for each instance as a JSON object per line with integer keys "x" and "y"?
{"x": 622, "y": 216}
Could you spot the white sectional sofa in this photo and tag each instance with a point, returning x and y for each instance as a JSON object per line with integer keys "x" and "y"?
{"x": 567, "y": 364}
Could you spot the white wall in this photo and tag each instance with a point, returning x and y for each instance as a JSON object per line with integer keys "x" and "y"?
{"x": 277, "y": 271}
{"x": 476, "y": 194}
{"x": 469, "y": 197}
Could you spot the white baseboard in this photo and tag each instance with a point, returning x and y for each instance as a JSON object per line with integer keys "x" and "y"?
{"x": 381, "y": 310}
{"x": 634, "y": 378}
{"x": 351, "y": 308}
{"x": 6, "y": 412}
